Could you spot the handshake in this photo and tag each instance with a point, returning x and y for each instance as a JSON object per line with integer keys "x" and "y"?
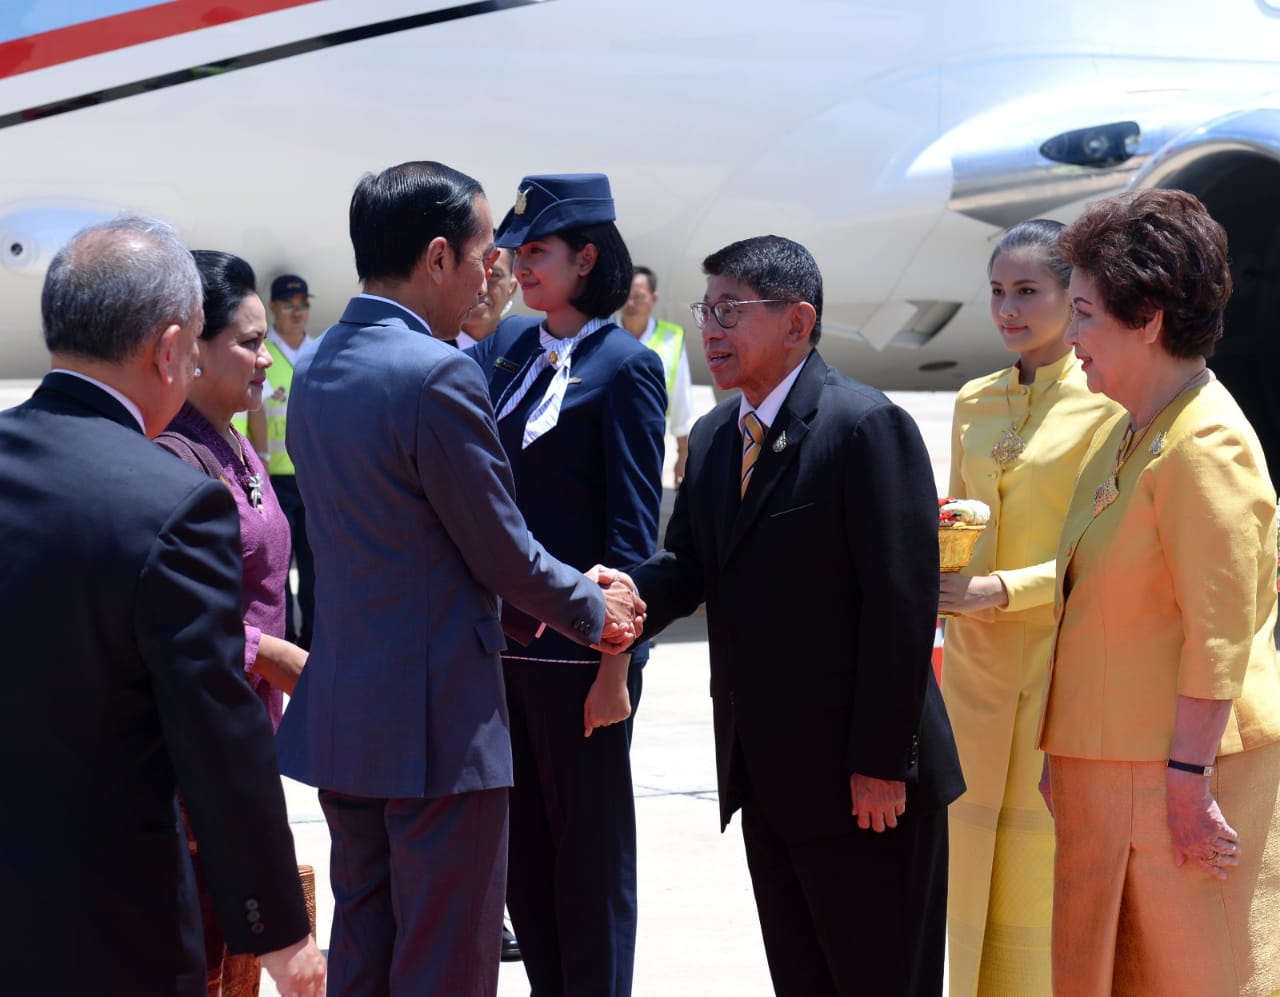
{"x": 624, "y": 609}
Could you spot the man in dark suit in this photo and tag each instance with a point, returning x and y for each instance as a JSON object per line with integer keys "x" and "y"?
{"x": 120, "y": 606}
{"x": 400, "y": 715}
{"x": 807, "y": 521}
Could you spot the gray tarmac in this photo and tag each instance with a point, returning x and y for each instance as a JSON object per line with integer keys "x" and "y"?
{"x": 698, "y": 932}
{"x": 698, "y": 935}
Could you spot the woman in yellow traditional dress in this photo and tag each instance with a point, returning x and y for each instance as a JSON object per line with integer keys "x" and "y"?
{"x": 1162, "y": 716}
{"x": 1018, "y": 438}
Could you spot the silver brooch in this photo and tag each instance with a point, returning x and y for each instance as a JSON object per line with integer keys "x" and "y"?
{"x": 780, "y": 444}
{"x": 255, "y": 491}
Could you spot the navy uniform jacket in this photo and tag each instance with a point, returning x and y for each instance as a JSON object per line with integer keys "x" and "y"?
{"x": 411, "y": 513}
{"x": 123, "y": 676}
{"x": 821, "y": 587}
{"x": 590, "y": 489}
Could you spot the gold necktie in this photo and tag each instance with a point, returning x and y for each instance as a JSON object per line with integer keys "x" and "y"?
{"x": 753, "y": 431}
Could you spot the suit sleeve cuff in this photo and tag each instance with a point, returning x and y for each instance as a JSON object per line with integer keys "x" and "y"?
{"x": 1028, "y": 587}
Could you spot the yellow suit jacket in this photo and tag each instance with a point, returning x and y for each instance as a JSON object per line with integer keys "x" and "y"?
{"x": 1057, "y": 416}
{"x": 1169, "y": 591}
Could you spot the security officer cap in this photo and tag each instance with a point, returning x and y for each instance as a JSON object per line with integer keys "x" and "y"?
{"x": 553, "y": 203}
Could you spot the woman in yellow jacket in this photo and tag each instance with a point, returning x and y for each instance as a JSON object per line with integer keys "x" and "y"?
{"x": 1162, "y": 714}
{"x": 1017, "y": 441}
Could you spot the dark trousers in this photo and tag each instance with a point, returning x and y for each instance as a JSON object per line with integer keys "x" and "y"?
{"x": 290, "y": 499}
{"x": 855, "y": 914}
{"x": 417, "y": 888}
{"x": 571, "y": 889}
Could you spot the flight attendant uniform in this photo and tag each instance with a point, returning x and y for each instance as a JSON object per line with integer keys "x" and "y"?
{"x": 590, "y": 488}
{"x": 1000, "y": 891}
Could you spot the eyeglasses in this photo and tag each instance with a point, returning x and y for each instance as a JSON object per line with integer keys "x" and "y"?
{"x": 304, "y": 307}
{"x": 726, "y": 312}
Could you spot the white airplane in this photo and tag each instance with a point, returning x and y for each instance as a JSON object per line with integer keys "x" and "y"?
{"x": 894, "y": 139}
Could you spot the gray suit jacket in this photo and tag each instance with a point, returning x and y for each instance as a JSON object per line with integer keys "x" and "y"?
{"x": 411, "y": 514}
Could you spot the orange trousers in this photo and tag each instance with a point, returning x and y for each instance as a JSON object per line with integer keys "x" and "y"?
{"x": 1127, "y": 921}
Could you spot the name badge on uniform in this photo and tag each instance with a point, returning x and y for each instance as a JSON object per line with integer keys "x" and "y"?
{"x": 502, "y": 363}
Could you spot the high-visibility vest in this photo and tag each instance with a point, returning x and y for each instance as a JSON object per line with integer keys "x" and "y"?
{"x": 668, "y": 341}
{"x": 276, "y": 408}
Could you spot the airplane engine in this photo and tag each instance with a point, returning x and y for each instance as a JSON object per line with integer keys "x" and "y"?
{"x": 1232, "y": 163}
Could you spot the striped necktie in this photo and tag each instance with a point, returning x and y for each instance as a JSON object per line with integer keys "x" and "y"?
{"x": 753, "y": 431}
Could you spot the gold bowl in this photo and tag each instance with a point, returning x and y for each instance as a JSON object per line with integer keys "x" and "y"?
{"x": 956, "y": 544}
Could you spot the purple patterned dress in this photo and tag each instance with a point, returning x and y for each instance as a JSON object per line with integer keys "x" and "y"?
{"x": 264, "y": 542}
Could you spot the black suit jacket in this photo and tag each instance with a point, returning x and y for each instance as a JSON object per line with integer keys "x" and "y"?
{"x": 123, "y": 656}
{"x": 821, "y": 587}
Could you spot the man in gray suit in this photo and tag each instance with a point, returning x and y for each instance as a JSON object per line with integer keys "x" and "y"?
{"x": 400, "y": 715}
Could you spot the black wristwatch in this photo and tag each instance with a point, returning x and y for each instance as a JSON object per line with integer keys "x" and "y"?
{"x": 1205, "y": 770}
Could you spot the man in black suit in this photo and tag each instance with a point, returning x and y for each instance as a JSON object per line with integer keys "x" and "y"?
{"x": 807, "y": 521}
{"x": 123, "y": 661}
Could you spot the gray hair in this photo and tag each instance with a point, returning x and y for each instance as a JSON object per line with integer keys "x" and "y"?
{"x": 117, "y": 285}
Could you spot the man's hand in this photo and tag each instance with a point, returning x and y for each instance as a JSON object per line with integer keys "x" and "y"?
{"x": 624, "y": 609}
{"x": 877, "y": 803}
{"x": 608, "y": 700}
{"x": 298, "y": 970}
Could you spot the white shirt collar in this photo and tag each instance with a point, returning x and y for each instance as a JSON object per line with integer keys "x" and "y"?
{"x": 565, "y": 347}
{"x": 123, "y": 399}
{"x": 291, "y": 353}
{"x": 768, "y": 409}
{"x": 649, "y": 328}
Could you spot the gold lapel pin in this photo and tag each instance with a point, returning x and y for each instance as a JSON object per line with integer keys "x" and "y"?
{"x": 522, "y": 201}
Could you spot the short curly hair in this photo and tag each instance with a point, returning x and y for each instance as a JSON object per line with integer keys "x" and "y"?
{"x": 1156, "y": 250}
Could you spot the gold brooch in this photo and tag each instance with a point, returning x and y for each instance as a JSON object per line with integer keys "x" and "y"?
{"x": 1008, "y": 448}
{"x": 522, "y": 201}
{"x": 1105, "y": 494}
{"x": 553, "y": 358}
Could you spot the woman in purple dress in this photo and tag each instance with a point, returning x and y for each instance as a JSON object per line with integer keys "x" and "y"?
{"x": 232, "y": 369}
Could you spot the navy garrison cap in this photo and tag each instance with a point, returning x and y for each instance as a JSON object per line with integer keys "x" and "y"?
{"x": 286, "y": 286}
{"x": 549, "y": 204}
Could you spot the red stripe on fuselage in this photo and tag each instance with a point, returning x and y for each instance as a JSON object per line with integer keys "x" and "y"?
{"x": 79, "y": 41}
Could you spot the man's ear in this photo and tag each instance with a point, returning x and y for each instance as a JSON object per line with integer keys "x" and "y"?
{"x": 164, "y": 355}
{"x": 436, "y": 258}
{"x": 803, "y": 317}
